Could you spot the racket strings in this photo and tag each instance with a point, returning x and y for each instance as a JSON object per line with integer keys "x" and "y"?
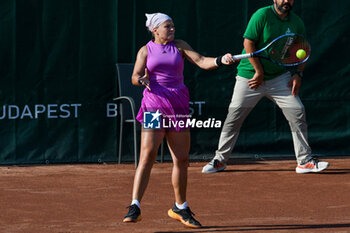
{"x": 285, "y": 49}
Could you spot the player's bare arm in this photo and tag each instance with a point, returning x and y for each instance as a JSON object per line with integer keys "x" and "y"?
{"x": 203, "y": 62}
{"x": 140, "y": 73}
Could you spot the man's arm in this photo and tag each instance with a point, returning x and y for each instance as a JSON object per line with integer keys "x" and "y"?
{"x": 258, "y": 77}
{"x": 295, "y": 80}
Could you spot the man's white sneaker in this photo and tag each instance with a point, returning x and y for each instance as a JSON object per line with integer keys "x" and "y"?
{"x": 214, "y": 166}
{"x": 312, "y": 166}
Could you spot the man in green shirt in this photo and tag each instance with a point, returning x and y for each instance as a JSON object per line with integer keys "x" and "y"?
{"x": 258, "y": 78}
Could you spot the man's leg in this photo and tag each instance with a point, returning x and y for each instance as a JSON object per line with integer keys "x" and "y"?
{"x": 294, "y": 111}
{"x": 243, "y": 101}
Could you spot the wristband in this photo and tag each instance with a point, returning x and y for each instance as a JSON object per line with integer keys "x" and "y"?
{"x": 140, "y": 81}
{"x": 218, "y": 61}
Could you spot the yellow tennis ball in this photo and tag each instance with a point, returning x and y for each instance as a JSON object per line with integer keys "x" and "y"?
{"x": 301, "y": 53}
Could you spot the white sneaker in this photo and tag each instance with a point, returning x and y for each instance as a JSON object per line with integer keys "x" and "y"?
{"x": 214, "y": 166}
{"x": 312, "y": 166}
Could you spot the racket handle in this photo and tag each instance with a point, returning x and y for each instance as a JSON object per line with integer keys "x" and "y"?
{"x": 242, "y": 56}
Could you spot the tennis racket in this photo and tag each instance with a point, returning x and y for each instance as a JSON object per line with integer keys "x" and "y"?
{"x": 282, "y": 50}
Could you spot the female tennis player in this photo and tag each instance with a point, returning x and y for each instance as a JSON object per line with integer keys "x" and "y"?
{"x": 159, "y": 66}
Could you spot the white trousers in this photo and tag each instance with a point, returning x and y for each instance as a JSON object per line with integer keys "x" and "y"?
{"x": 244, "y": 100}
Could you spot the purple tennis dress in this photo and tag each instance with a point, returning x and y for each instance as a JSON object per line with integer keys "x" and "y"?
{"x": 168, "y": 92}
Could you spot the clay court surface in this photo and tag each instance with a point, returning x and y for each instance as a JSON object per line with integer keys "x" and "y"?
{"x": 249, "y": 196}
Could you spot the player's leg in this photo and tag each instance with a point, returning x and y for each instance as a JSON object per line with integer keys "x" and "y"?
{"x": 243, "y": 101}
{"x": 179, "y": 146}
{"x": 150, "y": 141}
{"x": 294, "y": 111}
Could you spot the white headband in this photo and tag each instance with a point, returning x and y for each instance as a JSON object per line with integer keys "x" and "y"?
{"x": 156, "y": 19}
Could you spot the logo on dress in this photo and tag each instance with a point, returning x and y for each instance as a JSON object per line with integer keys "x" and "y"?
{"x": 164, "y": 52}
{"x": 152, "y": 120}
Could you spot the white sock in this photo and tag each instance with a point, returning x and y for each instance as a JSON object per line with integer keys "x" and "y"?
{"x": 182, "y": 206}
{"x": 136, "y": 202}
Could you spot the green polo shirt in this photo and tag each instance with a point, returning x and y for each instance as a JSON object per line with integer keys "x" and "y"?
{"x": 264, "y": 26}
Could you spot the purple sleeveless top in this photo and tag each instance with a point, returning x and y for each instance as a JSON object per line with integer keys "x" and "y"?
{"x": 168, "y": 94}
{"x": 165, "y": 65}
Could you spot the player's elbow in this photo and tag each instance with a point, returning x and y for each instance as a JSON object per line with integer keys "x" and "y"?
{"x": 134, "y": 81}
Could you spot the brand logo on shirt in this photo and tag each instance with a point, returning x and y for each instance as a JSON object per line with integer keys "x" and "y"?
{"x": 164, "y": 52}
{"x": 288, "y": 31}
{"x": 152, "y": 120}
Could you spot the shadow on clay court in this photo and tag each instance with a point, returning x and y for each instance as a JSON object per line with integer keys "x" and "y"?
{"x": 264, "y": 228}
{"x": 262, "y": 161}
{"x": 335, "y": 171}
{"x": 325, "y": 172}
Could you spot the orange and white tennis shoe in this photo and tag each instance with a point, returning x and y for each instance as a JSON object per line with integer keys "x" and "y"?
{"x": 312, "y": 166}
{"x": 214, "y": 166}
{"x": 185, "y": 216}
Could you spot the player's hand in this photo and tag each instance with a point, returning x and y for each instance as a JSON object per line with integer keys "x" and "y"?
{"x": 295, "y": 83}
{"x": 227, "y": 59}
{"x": 144, "y": 80}
{"x": 256, "y": 81}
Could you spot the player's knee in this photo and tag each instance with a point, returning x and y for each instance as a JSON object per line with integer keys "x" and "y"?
{"x": 147, "y": 157}
{"x": 181, "y": 161}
